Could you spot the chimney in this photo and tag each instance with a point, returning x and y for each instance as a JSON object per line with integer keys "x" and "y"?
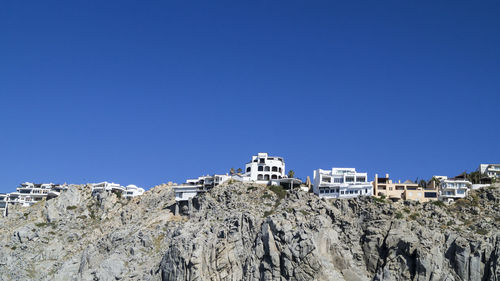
{"x": 387, "y": 176}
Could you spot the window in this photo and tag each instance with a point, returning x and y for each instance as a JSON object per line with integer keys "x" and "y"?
{"x": 260, "y": 168}
{"x": 460, "y": 191}
{"x": 338, "y": 180}
{"x": 400, "y": 187}
{"x": 249, "y": 169}
{"x": 274, "y": 169}
{"x": 349, "y": 179}
{"x": 327, "y": 179}
{"x": 342, "y": 192}
{"x": 266, "y": 177}
{"x": 360, "y": 179}
{"x": 274, "y": 177}
{"x": 267, "y": 169}
{"x": 262, "y": 160}
{"x": 430, "y": 194}
{"x": 279, "y": 170}
{"x": 260, "y": 177}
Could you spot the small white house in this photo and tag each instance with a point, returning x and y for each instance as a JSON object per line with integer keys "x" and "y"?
{"x": 106, "y": 186}
{"x": 132, "y": 191}
{"x": 264, "y": 168}
{"x": 490, "y": 170}
{"x": 452, "y": 189}
{"x": 341, "y": 183}
{"x": 186, "y": 191}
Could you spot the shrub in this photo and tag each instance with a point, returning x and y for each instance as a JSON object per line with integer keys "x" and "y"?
{"x": 481, "y": 231}
{"x": 382, "y": 196}
{"x": 406, "y": 210}
{"x": 41, "y": 224}
{"x": 266, "y": 196}
{"x": 82, "y": 217}
{"x": 13, "y": 248}
{"x": 267, "y": 213}
{"x": 450, "y": 222}
{"x": 439, "y": 203}
{"x": 414, "y": 216}
{"x": 380, "y": 199}
{"x": 399, "y": 215}
{"x": 250, "y": 188}
{"x": 71, "y": 207}
{"x": 279, "y": 191}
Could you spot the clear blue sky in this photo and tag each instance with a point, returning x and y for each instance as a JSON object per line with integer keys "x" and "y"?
{"x": 147, "y": 92}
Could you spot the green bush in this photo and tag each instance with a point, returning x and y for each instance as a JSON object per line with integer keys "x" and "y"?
{"x": 267, "y": 213}
{"x": 278, "y": 190}
{"x": 266, "y": 196}
{"x": 71, "y": 207}
{"x": 250, "y": 188}
{"x": 399, "y": 215}
{"x": 438, "y": 203}
{"x": 406, "y": 210}
{"x": 481, "y": 231}
{"x": 450, "y": 223}
{"x": 414, "y": 216}
{"x": 41, "y": 224}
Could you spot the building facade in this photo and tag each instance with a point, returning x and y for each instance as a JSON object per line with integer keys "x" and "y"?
{"x": 453, "y": 189}
{"x": 490, "y": 170}
{"x": 341, "y": 183}
{"x": 264, "y": 168}
{"x": 408, "y": 190}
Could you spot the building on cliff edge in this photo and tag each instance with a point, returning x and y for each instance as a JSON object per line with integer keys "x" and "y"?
{"x": 341, "y": 183}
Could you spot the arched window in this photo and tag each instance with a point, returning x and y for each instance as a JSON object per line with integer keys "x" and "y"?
{"x": 260, "y": 177}
{"x": 266, "y": 177}
{"x": 275, "y": 169}
{"x": 280, "y": 169}
{"x": 248, "y": 169}
{"x": 274, "y": 177}
{"x": 267, "y": 169}
{"x": 261, "y": 168}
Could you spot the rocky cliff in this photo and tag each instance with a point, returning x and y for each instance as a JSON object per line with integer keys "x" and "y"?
{"x": 250, "y": 232}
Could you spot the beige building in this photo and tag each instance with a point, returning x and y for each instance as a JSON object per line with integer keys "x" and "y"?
{"x": 407, "y": 190}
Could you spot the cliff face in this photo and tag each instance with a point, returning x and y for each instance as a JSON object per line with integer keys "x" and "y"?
{"x": 249, "y": 232}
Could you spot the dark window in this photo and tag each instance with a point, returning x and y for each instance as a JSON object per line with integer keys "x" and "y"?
{"x": 267, "y": 169}
{"x": 275, "y": 169}
{"x": 248, "y": 169}
{"x": 260, "y": 177}
{"x": 274, "y": 177}
{"x": 266, "y": 177}
{"x": 261, "y": 168}
{"x": 430, "y": 194}
{"x": 262, "y": 160}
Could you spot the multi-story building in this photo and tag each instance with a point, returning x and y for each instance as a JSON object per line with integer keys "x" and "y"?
{"x": 408, "y": 190}
{"x": 490, "y": 170}
{"x": 132, "y": 191}
{"x": 192, "y": 187}
{"x": 106, "y": 186}
{"x": 452, "y": 189}
{"x": 28, "y": 193}
{"x": 264, "y": 168}
{"x": 341, "y": 183}
{"x": 127, "y": 192}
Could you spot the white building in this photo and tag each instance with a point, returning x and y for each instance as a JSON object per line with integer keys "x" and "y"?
{"x": 201, "y": 184}
{"x": 452, "y": 189}
{"x": 263, "y": 168}
{"x": 341, "y": 183}
{"x": 132, "y": 191}
{"x": 106, "y": 186}
{"x": 127, "y": 192}
{"x": 490, "y": 170}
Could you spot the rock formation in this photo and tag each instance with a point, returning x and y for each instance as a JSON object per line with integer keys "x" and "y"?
{"x": 250, "y": 232}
